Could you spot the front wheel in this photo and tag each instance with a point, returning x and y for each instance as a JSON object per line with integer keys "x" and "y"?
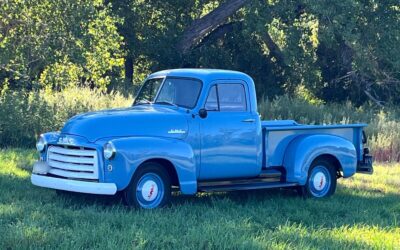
{"x": 321, "y": 181}
{"x": 150, "y": 187}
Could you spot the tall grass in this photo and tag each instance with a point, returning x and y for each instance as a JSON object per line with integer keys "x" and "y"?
{"x": 24, "y": 115}
{"x": 383, "y": 124}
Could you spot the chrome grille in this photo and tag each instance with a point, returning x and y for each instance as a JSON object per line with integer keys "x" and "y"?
{"x": 73, "y": 162}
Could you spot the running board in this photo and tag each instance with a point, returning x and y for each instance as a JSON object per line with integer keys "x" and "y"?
{"x": 243, "y": 186}
{"x": 264, "y": 177}
{"x": 271, "y": 173}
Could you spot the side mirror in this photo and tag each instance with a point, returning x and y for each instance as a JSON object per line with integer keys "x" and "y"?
{"x": 203, "y": 113}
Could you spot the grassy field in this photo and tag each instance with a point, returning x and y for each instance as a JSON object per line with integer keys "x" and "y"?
{"x": 364, "y": 214}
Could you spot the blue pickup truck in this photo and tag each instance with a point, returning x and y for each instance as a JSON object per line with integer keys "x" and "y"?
{"x": 195, "y": 130}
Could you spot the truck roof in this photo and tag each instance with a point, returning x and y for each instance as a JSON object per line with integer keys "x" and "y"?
{"x": 206, "y": 75}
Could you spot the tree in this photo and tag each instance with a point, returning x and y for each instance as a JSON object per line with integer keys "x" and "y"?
{"x": 57, "y": 43}
{"x": 203, "y": 26}
{"x": 335, "y": 50}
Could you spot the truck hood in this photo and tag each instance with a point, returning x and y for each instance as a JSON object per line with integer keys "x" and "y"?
{"x": 143, "y": 120}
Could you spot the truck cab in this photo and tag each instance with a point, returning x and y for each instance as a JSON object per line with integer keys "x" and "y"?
{"x": 195, "y": 130}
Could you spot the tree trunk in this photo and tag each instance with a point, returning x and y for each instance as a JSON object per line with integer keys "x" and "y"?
{"x": 129, "y": 69}
{"x": 274, "y": 50}
{"x": 217, "y": 34}
{"x": 203, "y": 26}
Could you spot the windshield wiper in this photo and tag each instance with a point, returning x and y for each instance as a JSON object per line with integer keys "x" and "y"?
{"x": 168, "y": 103}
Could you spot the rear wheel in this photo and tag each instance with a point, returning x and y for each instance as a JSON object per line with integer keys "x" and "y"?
{"x": 150, "y": 187}
{"x": 321, "y": 181}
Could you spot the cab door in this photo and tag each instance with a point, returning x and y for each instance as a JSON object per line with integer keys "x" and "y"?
{"x": 228, "y": 133}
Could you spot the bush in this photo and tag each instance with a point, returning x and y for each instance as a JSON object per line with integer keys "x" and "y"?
{"x": 25, "y": 115}
{"x": 383, "y": 129}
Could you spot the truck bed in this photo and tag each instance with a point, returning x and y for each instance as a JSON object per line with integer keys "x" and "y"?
{"x": 278, "y": 134}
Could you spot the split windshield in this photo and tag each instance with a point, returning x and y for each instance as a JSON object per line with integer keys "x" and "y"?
{"x": 180, "y": 92}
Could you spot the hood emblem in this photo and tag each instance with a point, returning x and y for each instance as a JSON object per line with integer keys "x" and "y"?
{"x": 176, "y": 131}
{"x": 66, "y": 141}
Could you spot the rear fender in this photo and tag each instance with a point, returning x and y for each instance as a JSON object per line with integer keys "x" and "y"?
{"x": 133, "y": 151}
{"x": 303, "y": 150}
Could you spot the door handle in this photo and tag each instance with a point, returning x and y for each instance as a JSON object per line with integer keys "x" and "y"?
{"x": 249, "y": 120}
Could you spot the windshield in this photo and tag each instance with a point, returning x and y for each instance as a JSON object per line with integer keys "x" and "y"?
{"x": 148, "y": 91}
{"x": 180, "y": 92}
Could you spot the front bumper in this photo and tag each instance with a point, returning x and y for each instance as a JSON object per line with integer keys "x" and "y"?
{"x": 73, "y": 185}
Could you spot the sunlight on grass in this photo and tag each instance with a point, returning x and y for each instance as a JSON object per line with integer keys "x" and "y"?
{"x": 363, "y": 214}
{"x": 17, "y": 163}
{"x": 8, "y": 209}
{"x": 384, "y": 180}
{"x": 355, "y": 236}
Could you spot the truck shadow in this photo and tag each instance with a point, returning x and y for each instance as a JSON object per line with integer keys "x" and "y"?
{"x": 344, "y": 208}
{"x": 177, "y": 199}
{"x": 279, "y": 212}
{"x": 347, "y": 207}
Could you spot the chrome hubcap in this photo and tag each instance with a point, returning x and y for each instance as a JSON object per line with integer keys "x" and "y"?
{"x": 149, "y": 190}
{"x": 319, "y": 181}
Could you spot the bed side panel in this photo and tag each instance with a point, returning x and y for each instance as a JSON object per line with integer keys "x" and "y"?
{"x": 277, "y": 141}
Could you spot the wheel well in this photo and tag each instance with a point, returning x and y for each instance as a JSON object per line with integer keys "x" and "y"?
{"x": 169, "y": 167}
{"x": 332, "y": 159}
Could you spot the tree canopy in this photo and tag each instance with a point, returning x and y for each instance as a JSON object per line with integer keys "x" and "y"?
{"x": 327, "y": 50}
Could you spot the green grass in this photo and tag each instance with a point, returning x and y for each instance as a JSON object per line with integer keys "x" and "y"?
{"x": 364, "y": 214}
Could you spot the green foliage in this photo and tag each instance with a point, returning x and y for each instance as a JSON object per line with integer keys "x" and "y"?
{"x": 25, "y": 115}
{"x": 383, "y": 129}
{"x": 363, "y": 214}
{"x": 59, "y": 43}
{"x": 357, "y": 49}
{"x": 60, "y": 75}
{"x": 337, "y": 50}
{"x": 326, "y": 56}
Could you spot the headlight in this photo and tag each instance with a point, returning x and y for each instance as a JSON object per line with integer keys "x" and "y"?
{"x": 41, "y": 144}
{"x": 109, "y": 150}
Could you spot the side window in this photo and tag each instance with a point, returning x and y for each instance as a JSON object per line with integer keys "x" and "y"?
{"x": 226, "y": 97}
{"x": 232, "y": 97}
{"x": 212, "y": 102}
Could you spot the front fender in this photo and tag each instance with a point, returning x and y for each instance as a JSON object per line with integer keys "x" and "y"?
{"x": 303, "y": 150}
{"x": 133, "y": 151}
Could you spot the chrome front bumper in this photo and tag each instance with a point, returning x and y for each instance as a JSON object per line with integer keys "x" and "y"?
{"x": 39, "y": 178}
{"x": 73, "y": 185}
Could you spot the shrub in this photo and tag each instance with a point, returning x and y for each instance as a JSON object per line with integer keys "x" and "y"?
{"x": 24, "y": 115}
{"x": 383, "y": 129}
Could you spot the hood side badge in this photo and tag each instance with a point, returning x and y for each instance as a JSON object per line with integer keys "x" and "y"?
{"x": 176, "y": 131}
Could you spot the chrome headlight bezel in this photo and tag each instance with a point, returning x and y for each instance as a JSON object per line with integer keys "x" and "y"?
{"x": 41, "y": 144}
{"x": 109, "y": 150}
